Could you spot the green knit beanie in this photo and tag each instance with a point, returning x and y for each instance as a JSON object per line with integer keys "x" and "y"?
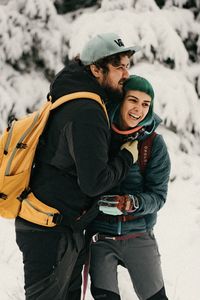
{"x": 137, "y": 83}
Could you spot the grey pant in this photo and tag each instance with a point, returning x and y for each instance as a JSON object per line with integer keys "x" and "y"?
{"x": 139, "y": 255}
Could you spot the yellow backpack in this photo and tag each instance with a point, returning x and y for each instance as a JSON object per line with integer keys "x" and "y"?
{"x": 17, "y": 150}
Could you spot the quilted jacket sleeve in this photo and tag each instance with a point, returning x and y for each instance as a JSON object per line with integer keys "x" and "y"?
{"x": 156, "y": 178}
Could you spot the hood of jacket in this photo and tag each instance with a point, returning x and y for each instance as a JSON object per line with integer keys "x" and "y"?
{"x": 78, "y": 80}
{"x": 147, "y": 129}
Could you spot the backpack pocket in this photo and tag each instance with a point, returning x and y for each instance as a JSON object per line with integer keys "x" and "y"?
{"x": 10, "y": 189}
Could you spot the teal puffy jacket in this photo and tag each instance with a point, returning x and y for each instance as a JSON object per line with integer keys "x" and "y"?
{"x": 150, "y": 187}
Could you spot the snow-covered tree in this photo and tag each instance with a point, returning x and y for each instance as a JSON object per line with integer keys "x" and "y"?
{"x": 33, "y": 46}
{"x": 36, "y": 39}
{"x": 35, "y": 42}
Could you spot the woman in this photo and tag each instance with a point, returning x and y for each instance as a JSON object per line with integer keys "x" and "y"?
{"x": 128, "y": 212}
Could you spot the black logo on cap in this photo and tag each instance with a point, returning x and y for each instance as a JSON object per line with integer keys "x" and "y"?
{"x": 119, "y": 42}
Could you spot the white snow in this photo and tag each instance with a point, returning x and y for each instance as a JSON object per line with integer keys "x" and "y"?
{"x": 39, "y": 28}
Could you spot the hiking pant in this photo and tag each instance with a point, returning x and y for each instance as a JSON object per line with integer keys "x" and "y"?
{"x": 53, "y": 264}
{"x": 141, "y": 258}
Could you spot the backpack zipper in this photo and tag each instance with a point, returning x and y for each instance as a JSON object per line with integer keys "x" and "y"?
{"x": 119, "y": 227}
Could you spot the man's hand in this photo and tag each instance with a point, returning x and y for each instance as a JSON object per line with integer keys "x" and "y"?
{"x": 117, "y": 205}
{"x": 132, "y": 147}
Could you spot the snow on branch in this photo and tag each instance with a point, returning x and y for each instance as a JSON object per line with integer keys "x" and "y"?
{"x": 151, "y": 30}
{"x": 20, "y": 94}
{"x": 31, "y": 33}
{"x": 182, "y": 21}
{"x": 176, "y": 101}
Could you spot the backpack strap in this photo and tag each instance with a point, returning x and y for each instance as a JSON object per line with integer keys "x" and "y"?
{"x": 80, "y": 95}
{"x": 144, "y": 148}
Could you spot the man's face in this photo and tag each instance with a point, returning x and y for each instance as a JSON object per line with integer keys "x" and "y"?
{"x": 114, "y": 79}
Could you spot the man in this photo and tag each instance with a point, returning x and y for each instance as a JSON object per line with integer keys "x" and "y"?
{"x": 72, "y": 168}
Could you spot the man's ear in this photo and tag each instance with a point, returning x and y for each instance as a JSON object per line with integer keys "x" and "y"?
{"x": 97, "y": 72}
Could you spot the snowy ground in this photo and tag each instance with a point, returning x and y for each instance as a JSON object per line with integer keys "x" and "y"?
{"x": 177, "y": 231}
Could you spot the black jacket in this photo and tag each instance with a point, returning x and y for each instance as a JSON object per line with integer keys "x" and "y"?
{"x": 72, "y": 166}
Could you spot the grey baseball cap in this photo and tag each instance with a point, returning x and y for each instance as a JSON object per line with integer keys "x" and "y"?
{"x": 104, "y": 45}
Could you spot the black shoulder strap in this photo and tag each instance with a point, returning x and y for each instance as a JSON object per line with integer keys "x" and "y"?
{"x": 145, "y": 151}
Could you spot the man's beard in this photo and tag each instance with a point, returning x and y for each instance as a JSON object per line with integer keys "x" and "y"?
{"x": 114, "y": 96}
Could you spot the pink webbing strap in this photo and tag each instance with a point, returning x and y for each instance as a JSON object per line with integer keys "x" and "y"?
{"x": 86, "y": 270}
{"x": 103, "y": 237}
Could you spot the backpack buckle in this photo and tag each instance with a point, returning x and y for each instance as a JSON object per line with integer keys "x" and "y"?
{"x": 21, "y": 146}
{"x": 57, "y": 219}
{"x": 23, "y": 195}
{"x": 3, "y": 196}
{"x": 95, "y": 237}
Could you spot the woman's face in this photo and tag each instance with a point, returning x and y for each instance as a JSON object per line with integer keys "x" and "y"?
{"x": 134, "y": 108}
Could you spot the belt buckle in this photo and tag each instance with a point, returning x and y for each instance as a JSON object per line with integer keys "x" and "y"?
{"x": 57, "y": 218}
{"x": 95, "y": 237}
